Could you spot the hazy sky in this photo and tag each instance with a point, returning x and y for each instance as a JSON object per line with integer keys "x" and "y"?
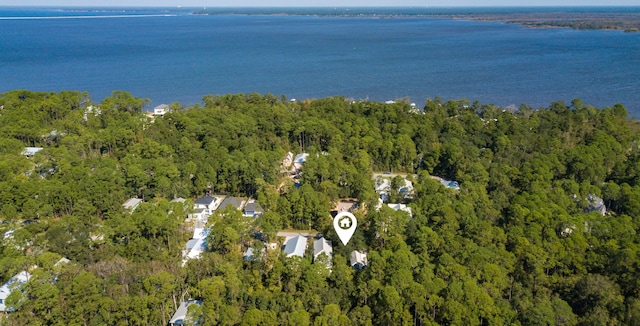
{"x": 318, "y": 3}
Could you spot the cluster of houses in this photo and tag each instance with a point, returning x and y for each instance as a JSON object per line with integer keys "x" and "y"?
{"x": 295, "y": 245}
{"x": 405, "y": 191}
{"x": 383, "y": 189}
{"x": 203, "y": 208}
{"x": 30, "y": 152}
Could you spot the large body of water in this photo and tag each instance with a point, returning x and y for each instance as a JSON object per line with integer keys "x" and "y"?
{"x": 170, "y": 55}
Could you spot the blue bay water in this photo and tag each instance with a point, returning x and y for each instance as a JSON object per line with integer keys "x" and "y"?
{"x": 178, "y": 57}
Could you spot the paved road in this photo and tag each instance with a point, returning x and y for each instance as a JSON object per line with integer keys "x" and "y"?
{"x": 291, "y": 234}
{"x": 391, "y": 175}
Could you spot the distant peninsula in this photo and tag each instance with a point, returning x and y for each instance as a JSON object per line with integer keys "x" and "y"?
{"x": 580, "y": 18}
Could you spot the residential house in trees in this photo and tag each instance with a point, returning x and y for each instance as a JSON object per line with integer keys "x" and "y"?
{"x": 295, "y": 246}
{"x": 178, "y": 200}
{"x": 383, "y": 188}
{"x": 29, "y": 152}
{"x": 250, "y": 253}
{"x": 235, "y": 202}
{"x": 199, "y": 217}
{"x": 131, "y": 204}
{"x": 91, "y": 110}
{"x": 299, "y": 160}
{"x": 160, "y": 110}
{"x": 449, "y": 184}
{"x": 358, "y": 259}
{"x": 401, "y": 207}
{"x": 346, "y": 205}
{"x": 208, "y": 203}
{"x": 14, "y": 284}
{"x": 196, "y": 246}
{"x": 287, "y": 162}
{"x": 253, "y": 209}
{"x": 180, "y": 315}
{"x": 323, "y": 246}
{"x": 596, "y": 204}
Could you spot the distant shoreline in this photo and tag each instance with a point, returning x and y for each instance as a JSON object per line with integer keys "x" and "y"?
{"x": 620, "y": 18}
{"x": 578, "y": 18}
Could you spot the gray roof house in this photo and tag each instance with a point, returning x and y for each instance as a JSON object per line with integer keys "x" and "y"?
{"x": 236, "y": 202}
{"x": 295, "y": 246}
{"x": 596, "y": 204}
{"x": 253, "y": 209}
{"x": 358, "y": 259}
{"x": 180, "y": 315}
{"x": 209, "y": 203}
{"x": 323, "y": 246}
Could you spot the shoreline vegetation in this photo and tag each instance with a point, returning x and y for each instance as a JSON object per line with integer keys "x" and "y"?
{"x": 622, "y": 18}
{"x": 542, "y": 227}
{"x": 579, "y": 18}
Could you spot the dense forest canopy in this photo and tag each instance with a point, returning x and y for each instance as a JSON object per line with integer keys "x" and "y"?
{"x": 517, "y": 244}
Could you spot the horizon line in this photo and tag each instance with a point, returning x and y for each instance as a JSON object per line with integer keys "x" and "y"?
{"x": 323, "y": 7}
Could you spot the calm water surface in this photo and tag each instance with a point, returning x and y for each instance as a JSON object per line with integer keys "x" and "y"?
{"x": 178, "y": 57}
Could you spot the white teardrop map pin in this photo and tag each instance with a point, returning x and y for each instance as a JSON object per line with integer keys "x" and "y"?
{"x": 345, "y": 225}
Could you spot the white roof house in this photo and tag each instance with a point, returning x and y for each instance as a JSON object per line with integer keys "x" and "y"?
{"x": 31, "y": 151}
{"x": 406, "y": 189}
{"x": 358, "y": 259}
{"x": 322, "y": 246}
{"x": 198, "y": 214}
{"x": 401, "y": 207}
{"x": 131, "y": 204}
{"x": 95, "y": 111}
{"x": 251, "y": 253}
{"x": 180, "y": 315}
{"x": 14, "y": 283}
{"x": 448, "y": 183}
{"x": 287, "y": 160}
{"x": 196, "y": 246}
{"x": 161, "y": 109}
{"x": 295, "y": 246}
{"x": 299, "y": 160}
{"x": 383, "y": 185}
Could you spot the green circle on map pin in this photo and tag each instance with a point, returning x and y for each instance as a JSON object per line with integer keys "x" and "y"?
{"x": 345, "y": 225}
